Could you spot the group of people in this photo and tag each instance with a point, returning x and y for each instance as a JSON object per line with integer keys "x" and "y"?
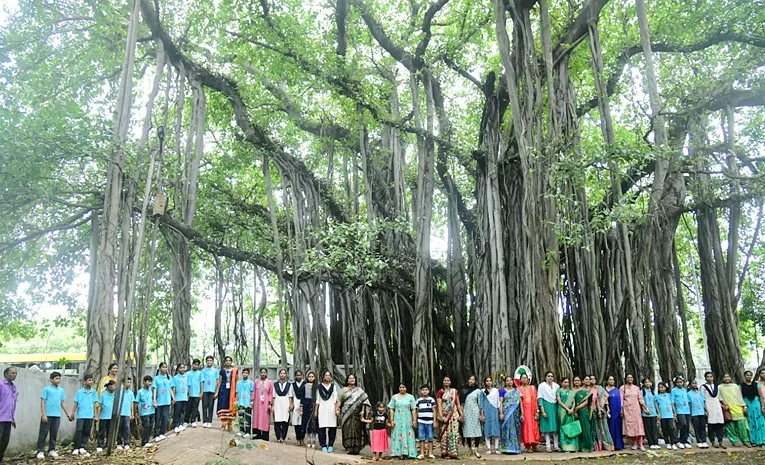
{"x": 577, "y": 415}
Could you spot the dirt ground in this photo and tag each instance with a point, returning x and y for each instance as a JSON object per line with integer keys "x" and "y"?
{"x": 214, "y": 447}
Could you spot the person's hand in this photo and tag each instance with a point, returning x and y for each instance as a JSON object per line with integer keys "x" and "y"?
{"x": 45, "y": 418}
{"x": 393, "y": 424}
{"x": 521, "y": 418}
{"x": 675, "y": 418}
{"x": 536, "y": 416}
{"x": 96, "y": 421}
{"x": 71, "y": 417}
{"x": 501, "y": 417}
{"x": 483, "y": 419}
{"x": 544, "y": 414}
{"x": 215, "y": 396}
{"x": 173, "y": 401}
{"x": 155, "y": 404}
{"x": 132, "y": 417}
{"x": 621, "y": 415}
{"x": 600, "y": 414}
{"x": 414, "y": 423}
{"x": 13, "y": 423}
{"x": 461, "y": 418}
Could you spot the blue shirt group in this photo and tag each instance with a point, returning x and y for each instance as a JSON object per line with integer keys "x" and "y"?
{"x": 649, "y": 398}
{"x": 181, "y": 385}
{"x": 210, "y": 378}
{"x": 697, "y": 401}
{"x": 664, "y": 401}
{"x": 162, "y": 385}
{"x": 127, "y": 403}
{"x": 680, "y": 399}
{"x": 195, "y": 381}
{"x": 86, "y": 403}
{"x": 53, "y": 396}
{"x": 107, "y": 405}
{"x": 145, "y": 400}
{"x": 244, "y": 392}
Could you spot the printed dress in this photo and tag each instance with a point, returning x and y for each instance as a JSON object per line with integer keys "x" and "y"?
{"x": 471, "y": 427}
{"x": 402, "y": 443}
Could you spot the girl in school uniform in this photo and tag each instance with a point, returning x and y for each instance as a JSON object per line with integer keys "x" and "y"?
{"x": 667, "y": 415}
{"x": 698, "y": 414}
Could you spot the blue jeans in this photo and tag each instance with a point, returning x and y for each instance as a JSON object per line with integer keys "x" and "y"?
{"x": 424, "y": 432}
{"x": 161, "y": 417}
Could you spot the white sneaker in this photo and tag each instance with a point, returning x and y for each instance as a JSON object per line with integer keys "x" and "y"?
{"x": 642, "y": 448}
{"x": 53, "y": 454}
{"x": 119, "y": 447}
{"x": 99, "y": 450}
{"x": 419, "y": 457}
{"x": 162, "y": 436}
{"x": 184, "y": 426}
{"x": 681, "y": 445}
{"x": 634, "y": 447}
{"x": 247, "y": 436}
{"x": 40, "y": 455}
{"x": 84, "y": 453}
{"x": 239, "y": 434}
{"x": 177, "y": 429}
{"x": 158, "y": 438}
{"x": 194, "y": 424}
{"x": 669, "y": 447}
{"x": 76, "y": 452}
{"x": 127, "y": 447}
{"x": 147, "y": 445}
{"x": 209, "y": 425}
{"x": 674, "y": 447}
{"x": 688, "y": 445}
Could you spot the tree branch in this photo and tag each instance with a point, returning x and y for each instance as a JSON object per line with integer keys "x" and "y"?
{"x": 70, "y": 223}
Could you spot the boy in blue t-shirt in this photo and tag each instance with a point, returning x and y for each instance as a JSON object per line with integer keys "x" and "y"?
{"x": 683, "y": 412}
{"x": 195, "y": 391}
{"x": 209, "y": 385}
{"x": 104, "y": 410}
{"x": 667, "y": 415}
{"x": 52, "y": 401}
{"x": 84, "y": 411}
{"x": 243, "y": 400}
{"x": 127, "y": 414}
{"x": 180, "y": 387}
{"x": 145, "y": 401}
{"x": 425, "y": 407}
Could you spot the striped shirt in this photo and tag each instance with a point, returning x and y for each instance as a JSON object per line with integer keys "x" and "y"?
{"x": 425, "y": 406}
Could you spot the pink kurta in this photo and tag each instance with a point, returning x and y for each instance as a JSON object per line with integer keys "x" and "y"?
{"x": 262, "y": 397}
{"x": 632, "y": 402}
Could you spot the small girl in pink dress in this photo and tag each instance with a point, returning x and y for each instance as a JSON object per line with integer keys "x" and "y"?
{"x": 379, "y": 423}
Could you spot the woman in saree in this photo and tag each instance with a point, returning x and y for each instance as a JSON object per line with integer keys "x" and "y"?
{"x": 511, "y": 416}
{"x": 754, "y": 407}
{"x": 354, "y": 405}
{"x": 403, "y": 419}
{"x": 470, "y": 399}
{"x": 226, "y": 392}
{"x": 602, "y": 434}
{"x": 450, "y": 414}
{"x": 733, "y": 402}
{"x": 615, "y": 413}
{"x": 583, "y": 399}
{"x": 567, "y": 416}
{"x": 530, "y": 430}
{"x": 548, "y": 407}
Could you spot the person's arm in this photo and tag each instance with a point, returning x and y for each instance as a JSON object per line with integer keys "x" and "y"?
{"x": 391, "y": 421}
{"x": 154, "y": 394}
{"x": 74, "y": 411}
{"x": 97, "y": 411}
{"x": 439, "y": 402}
{"x": 502, "y": 408}
{"x": 217, "y": 386}
{"x": 42, "y": 409}
{"x": 520, "y": 407}
{"x": 292, "y": 398}
{"x": 172, "y": 392}
{"x": 415, "y": 415}
{"x": 63, "y": 407}
{"x": 459, "y": 405}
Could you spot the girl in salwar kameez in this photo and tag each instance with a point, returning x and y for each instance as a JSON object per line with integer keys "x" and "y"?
{"x": 403, "y": 417}
{"x": 490, "y": 413}
{"x": 615, "y": 411}
{"x": 354, "y": 405}
{"x": 583, "y": 399}
{"x": 754, "y": 417}
{"x": 450, "y": 413}
{"x": 296, "y": 417}
{"x": 632, "y": 405}
{"x": 603, "y": 439}
{"x": 308, "y": 420}
{"x": 511, "y": 418}
{"x": 530, "y": 427}
{"x": 715, "y": 418}
{"x": 566, "y": 416}
{"x": 548, "y": 408}
{"x": 733, "y": 402}
{"x": 472, "y": 431}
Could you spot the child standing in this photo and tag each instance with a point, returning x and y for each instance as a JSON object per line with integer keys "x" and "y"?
{"x": 195, "y": 391}
{"x": 104, "y": 410}
{"x": 667, "y": 415}
{"x": 243, "y": 400}
{"x": 163, "y": 397}
{"x": 715, "y": 418}
{"x": 145, "y": 401}
{"x": 209, "y": 385}
{"x": 127, "y": 414}
{"x": 683, "y": 411}
{"x": 180, "y": 389}
{"x": 425, "y": 407}
{"x": 379, "y": 423}
{"x": 698, "y": 414}
{"x": 52, "y": 401}
{"x": 650, "y": 422}
{"x": 84, "y": 410}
